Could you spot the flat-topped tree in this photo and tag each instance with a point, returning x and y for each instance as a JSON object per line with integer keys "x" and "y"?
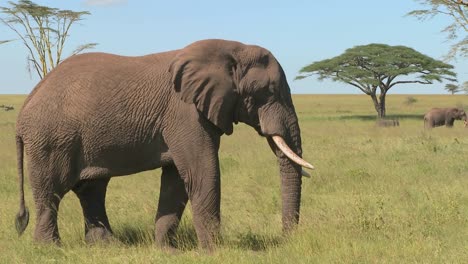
{"x": 376, "y": 68}
{"x": 464, "y": 87}
{"x": 43, "y": 31}
{"x": 452, "y": 88}
{"x": 457, "y": 12}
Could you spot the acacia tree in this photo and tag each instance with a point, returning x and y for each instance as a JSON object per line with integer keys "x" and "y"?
{"x": 456, "y": 31}
{"x": 43, "y": 31}
{"x": 376, "y": 68}
{"x": 452, "y": 88}
{"x": 464, "y": 87}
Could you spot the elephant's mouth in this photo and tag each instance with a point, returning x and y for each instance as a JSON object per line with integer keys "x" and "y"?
{"x": 259, "y": 130}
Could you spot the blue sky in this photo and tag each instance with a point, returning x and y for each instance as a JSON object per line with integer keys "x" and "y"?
{"x": 296, "y": 32}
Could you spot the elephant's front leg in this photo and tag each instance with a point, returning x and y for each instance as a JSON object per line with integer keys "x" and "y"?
{"x": 204, "y": 191}
{"x": 92, "y": 195}
{"x": 198, "y": 165}
{"x": 172, "y": 201}
{"x": 201, "y": 176}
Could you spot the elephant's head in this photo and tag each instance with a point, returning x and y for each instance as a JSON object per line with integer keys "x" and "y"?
{"x": 458, "y": 113}
{"x": 230, "y": 82}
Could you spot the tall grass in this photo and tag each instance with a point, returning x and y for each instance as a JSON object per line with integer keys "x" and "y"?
{"x": 378, "y": 195}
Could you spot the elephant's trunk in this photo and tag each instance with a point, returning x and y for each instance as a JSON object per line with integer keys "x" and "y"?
{"x": 291, "y": 199}
{"x": 285, "y": 125}
{"x": 291, "y": 180}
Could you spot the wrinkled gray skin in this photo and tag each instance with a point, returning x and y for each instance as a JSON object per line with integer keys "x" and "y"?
{"x": 443, "y": 117}
{"x": 99, "y": 115}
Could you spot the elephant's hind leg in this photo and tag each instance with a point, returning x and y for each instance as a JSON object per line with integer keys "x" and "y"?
{"x": 172, "y": 201}
{"x": 92, "y": 195}
{"x": 50, "y": 177}
{"x": 47, "y": 206}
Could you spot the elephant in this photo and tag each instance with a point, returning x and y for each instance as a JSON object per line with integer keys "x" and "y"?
{"x": 7, "y": 107}
{"x": 100, "y": 115}
{"x": 443, "y": 116}
{"x": 387, "y": 122}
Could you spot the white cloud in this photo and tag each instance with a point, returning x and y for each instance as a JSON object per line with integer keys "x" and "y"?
{"x": 104, "y": 2}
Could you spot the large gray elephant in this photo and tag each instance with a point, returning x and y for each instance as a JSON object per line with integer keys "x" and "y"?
{"x": 443, "y": 116}
{"x": 99, "y": 115}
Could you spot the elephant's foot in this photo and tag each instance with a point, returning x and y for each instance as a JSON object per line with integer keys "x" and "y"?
{"x": 46, "y": 231}
{"x": 165, "y": 243}
{"x": 50, "y": 240}
{"x": 169, "y": 249}
{"x": 207, "y": 247}
{"x": 98, "y": 235}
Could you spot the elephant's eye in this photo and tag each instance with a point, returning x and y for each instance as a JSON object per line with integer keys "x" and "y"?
{"x": 273, "y": 88}
{"x": 252, "y": 101}
{"x": 263, "y": 96}
{"x": 232, "y": 69}
{"x": 249, "y": 103}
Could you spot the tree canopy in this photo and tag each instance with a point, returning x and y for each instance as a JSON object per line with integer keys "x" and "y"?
{"x": 43, "y": 31}
{"x": 376, "y": 68}
{"x": 457, "y": 30}
{"x": 452, "y": 88}
{"x": 464, "y": 87}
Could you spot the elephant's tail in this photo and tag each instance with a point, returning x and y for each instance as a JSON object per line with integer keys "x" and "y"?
{"x": 22, "y": 218}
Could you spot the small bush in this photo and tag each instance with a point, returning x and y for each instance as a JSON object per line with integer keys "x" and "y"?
{"x": 410, "y": 100}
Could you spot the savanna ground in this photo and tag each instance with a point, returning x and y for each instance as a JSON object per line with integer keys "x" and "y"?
{"x": 378, "y": 195}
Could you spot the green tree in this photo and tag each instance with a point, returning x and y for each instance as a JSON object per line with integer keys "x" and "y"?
{"x": 456, "y": 31}
{"x": 464, "y": 87}
{"x": 452, "y": 88}
{"x": 43, "y": 31}
{"x": 376, "y": 68}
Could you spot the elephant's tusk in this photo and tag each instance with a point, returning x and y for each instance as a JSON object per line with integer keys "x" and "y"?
{"x": 279, "y": 141}
{"x": 305, "y": 173}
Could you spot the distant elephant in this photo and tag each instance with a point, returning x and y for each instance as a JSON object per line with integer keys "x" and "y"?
{"x": 443, "y": 116}
{"x": 387, "y": 122}
{"x": 99, "y": 115}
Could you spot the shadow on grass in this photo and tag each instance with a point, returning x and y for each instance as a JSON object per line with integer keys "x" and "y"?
{"x": 374, "y": 117}
{"x": 133, "y": 235}
{"x": 257, "y": 242}
{"x": 186, "y": 238}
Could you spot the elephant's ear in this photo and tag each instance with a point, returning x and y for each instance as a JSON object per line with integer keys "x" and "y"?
{"x": 204, "y": 77}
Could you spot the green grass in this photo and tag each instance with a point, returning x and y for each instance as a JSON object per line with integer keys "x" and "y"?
{"x": 378, "y": 195}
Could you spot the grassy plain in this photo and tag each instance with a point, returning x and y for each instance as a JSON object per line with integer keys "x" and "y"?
{"x": 378, "y": 195}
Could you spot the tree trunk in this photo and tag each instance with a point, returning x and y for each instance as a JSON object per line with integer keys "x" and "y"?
{"x": 383, "y": 110}
{"x": 379, "y": 104}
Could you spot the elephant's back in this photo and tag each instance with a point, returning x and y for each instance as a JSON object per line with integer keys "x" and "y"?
{"x": 77, "y": 76}
{"x": 436, "y": 112}
{"x": 84, "y": 86}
